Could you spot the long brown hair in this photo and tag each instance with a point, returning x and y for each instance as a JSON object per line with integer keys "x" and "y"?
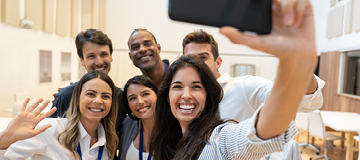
{"x": 167, "y": 141}
{"x": 70, "y": 137}
{"x": 141, "y": 80}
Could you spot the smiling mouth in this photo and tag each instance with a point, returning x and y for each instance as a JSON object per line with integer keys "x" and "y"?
{"x": 143, "y": 109}
{"x": 145, "y": 57}
{"x": 96, "y": 109}
{"x": 100, "y": 69}
{"x": 187, "y": 107}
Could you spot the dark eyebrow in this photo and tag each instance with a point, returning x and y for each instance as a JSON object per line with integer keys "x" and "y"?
{"x": 88, "y": 54}
{"x": 130, "y": 95}
{"x": 147, "y": 41}
{"x": 106, "y": 93}
{"x": 145, "y": 91}
{"x": 176, "y": 82}
{"x": 141, "y": 92}
{"x": 89, "y": 90}
{"x": 134, "y": 44}
{"x": 196, "y": 82}
{"x": 205, "y": 53}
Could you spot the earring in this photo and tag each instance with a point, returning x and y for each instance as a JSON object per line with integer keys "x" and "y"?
{"x": 133, "y": 115}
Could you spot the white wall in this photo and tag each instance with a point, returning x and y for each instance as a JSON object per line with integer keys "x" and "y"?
{"x": 345, "y": 41}
{"x": 125, "y": 16}
{"x": 20, "y": 48}
{"x": 20, "y": 63}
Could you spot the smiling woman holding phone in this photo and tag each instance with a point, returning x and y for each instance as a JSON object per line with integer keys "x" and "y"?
{"x": 188, "y": 125}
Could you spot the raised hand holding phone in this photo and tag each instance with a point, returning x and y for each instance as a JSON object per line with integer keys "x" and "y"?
{"x": 292, "y": 41}
{"x": 293, "y": 31}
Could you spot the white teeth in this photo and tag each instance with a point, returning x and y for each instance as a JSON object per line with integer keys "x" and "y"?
{"x": 187, "y": 106}
{"x": 95, "y": 110}
{"x": 100, "y": 69}
{"x": 143, "y": 109}
{"x": 145, "y": 57}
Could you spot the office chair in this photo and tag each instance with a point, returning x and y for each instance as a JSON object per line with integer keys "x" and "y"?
{"x": 317, "y": 129}
{"x": 291, "y": 152}
{"x": 302, "y": 123}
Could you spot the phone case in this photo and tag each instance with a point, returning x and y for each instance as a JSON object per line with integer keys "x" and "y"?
{"x": 246, "y": 15}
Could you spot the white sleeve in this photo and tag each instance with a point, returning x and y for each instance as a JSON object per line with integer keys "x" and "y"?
{"x": 312, "y": 102}
{"x": 256, "y": 90}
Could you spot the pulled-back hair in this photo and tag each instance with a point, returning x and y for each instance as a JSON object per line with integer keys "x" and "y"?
{"x": 94, "y": 36}
{"x": 70, "y": 137}
{"x": 167, "y": 141}
{"x": 142, "y": 80}
{"x": 202, "y": 37}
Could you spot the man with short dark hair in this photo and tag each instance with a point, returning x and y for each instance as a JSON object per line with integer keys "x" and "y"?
{"x": 94, "y": 49}
{"x": 242, "y": 95}
{"x": 145, "y": 55}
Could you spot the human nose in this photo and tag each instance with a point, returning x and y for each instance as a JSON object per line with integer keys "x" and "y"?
{"x": 141, "y": 101}
{"x": 99, "y": 61}
{"x": 142, "y": 48}
{"x": 186, "y": 96}
{"x": 98, "y": 99}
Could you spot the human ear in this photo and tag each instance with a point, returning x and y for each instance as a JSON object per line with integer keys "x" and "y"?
{"x": 218, "y": 62}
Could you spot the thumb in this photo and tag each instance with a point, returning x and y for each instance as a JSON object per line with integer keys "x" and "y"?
{"x": 237, "y": 37}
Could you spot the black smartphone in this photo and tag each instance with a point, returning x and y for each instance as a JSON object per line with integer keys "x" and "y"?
{"x": 245, "y": 15}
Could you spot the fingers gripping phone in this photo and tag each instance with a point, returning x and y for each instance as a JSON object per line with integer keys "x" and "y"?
{"x": 246, "y": 15}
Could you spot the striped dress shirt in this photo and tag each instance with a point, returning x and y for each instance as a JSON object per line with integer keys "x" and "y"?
{"x": 231, "y": 141}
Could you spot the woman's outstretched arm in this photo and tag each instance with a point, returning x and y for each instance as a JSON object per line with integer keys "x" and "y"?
{"x": 292, "y": 41}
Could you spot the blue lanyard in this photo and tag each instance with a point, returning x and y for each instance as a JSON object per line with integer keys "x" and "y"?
{"x": 141, "y": 143}
{"x": 101, "y": 149}
{"x": 165, "y": 68}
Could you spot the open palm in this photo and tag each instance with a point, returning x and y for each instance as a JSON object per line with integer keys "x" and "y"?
{"x": 23, "y": 125}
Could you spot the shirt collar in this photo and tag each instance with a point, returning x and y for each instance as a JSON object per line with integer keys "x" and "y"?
{"x": 82, "y": 131}
{"x": 101, "y": 135}
{"x": 224, "y": 78}
{"x": 100, "y": 131}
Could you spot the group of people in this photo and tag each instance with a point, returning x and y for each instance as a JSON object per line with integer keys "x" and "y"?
{"x": 186, "y": 110}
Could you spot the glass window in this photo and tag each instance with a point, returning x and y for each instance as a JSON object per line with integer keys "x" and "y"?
{"x": 242, "y": 70}
{"x": 350, "y": 73}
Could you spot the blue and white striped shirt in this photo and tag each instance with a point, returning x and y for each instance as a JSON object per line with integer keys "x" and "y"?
{"x": 239, "y": 141}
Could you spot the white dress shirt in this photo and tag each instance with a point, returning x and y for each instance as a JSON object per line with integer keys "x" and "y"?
{"x": 45, "y": 146}
{"x": 244, "y": 95}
